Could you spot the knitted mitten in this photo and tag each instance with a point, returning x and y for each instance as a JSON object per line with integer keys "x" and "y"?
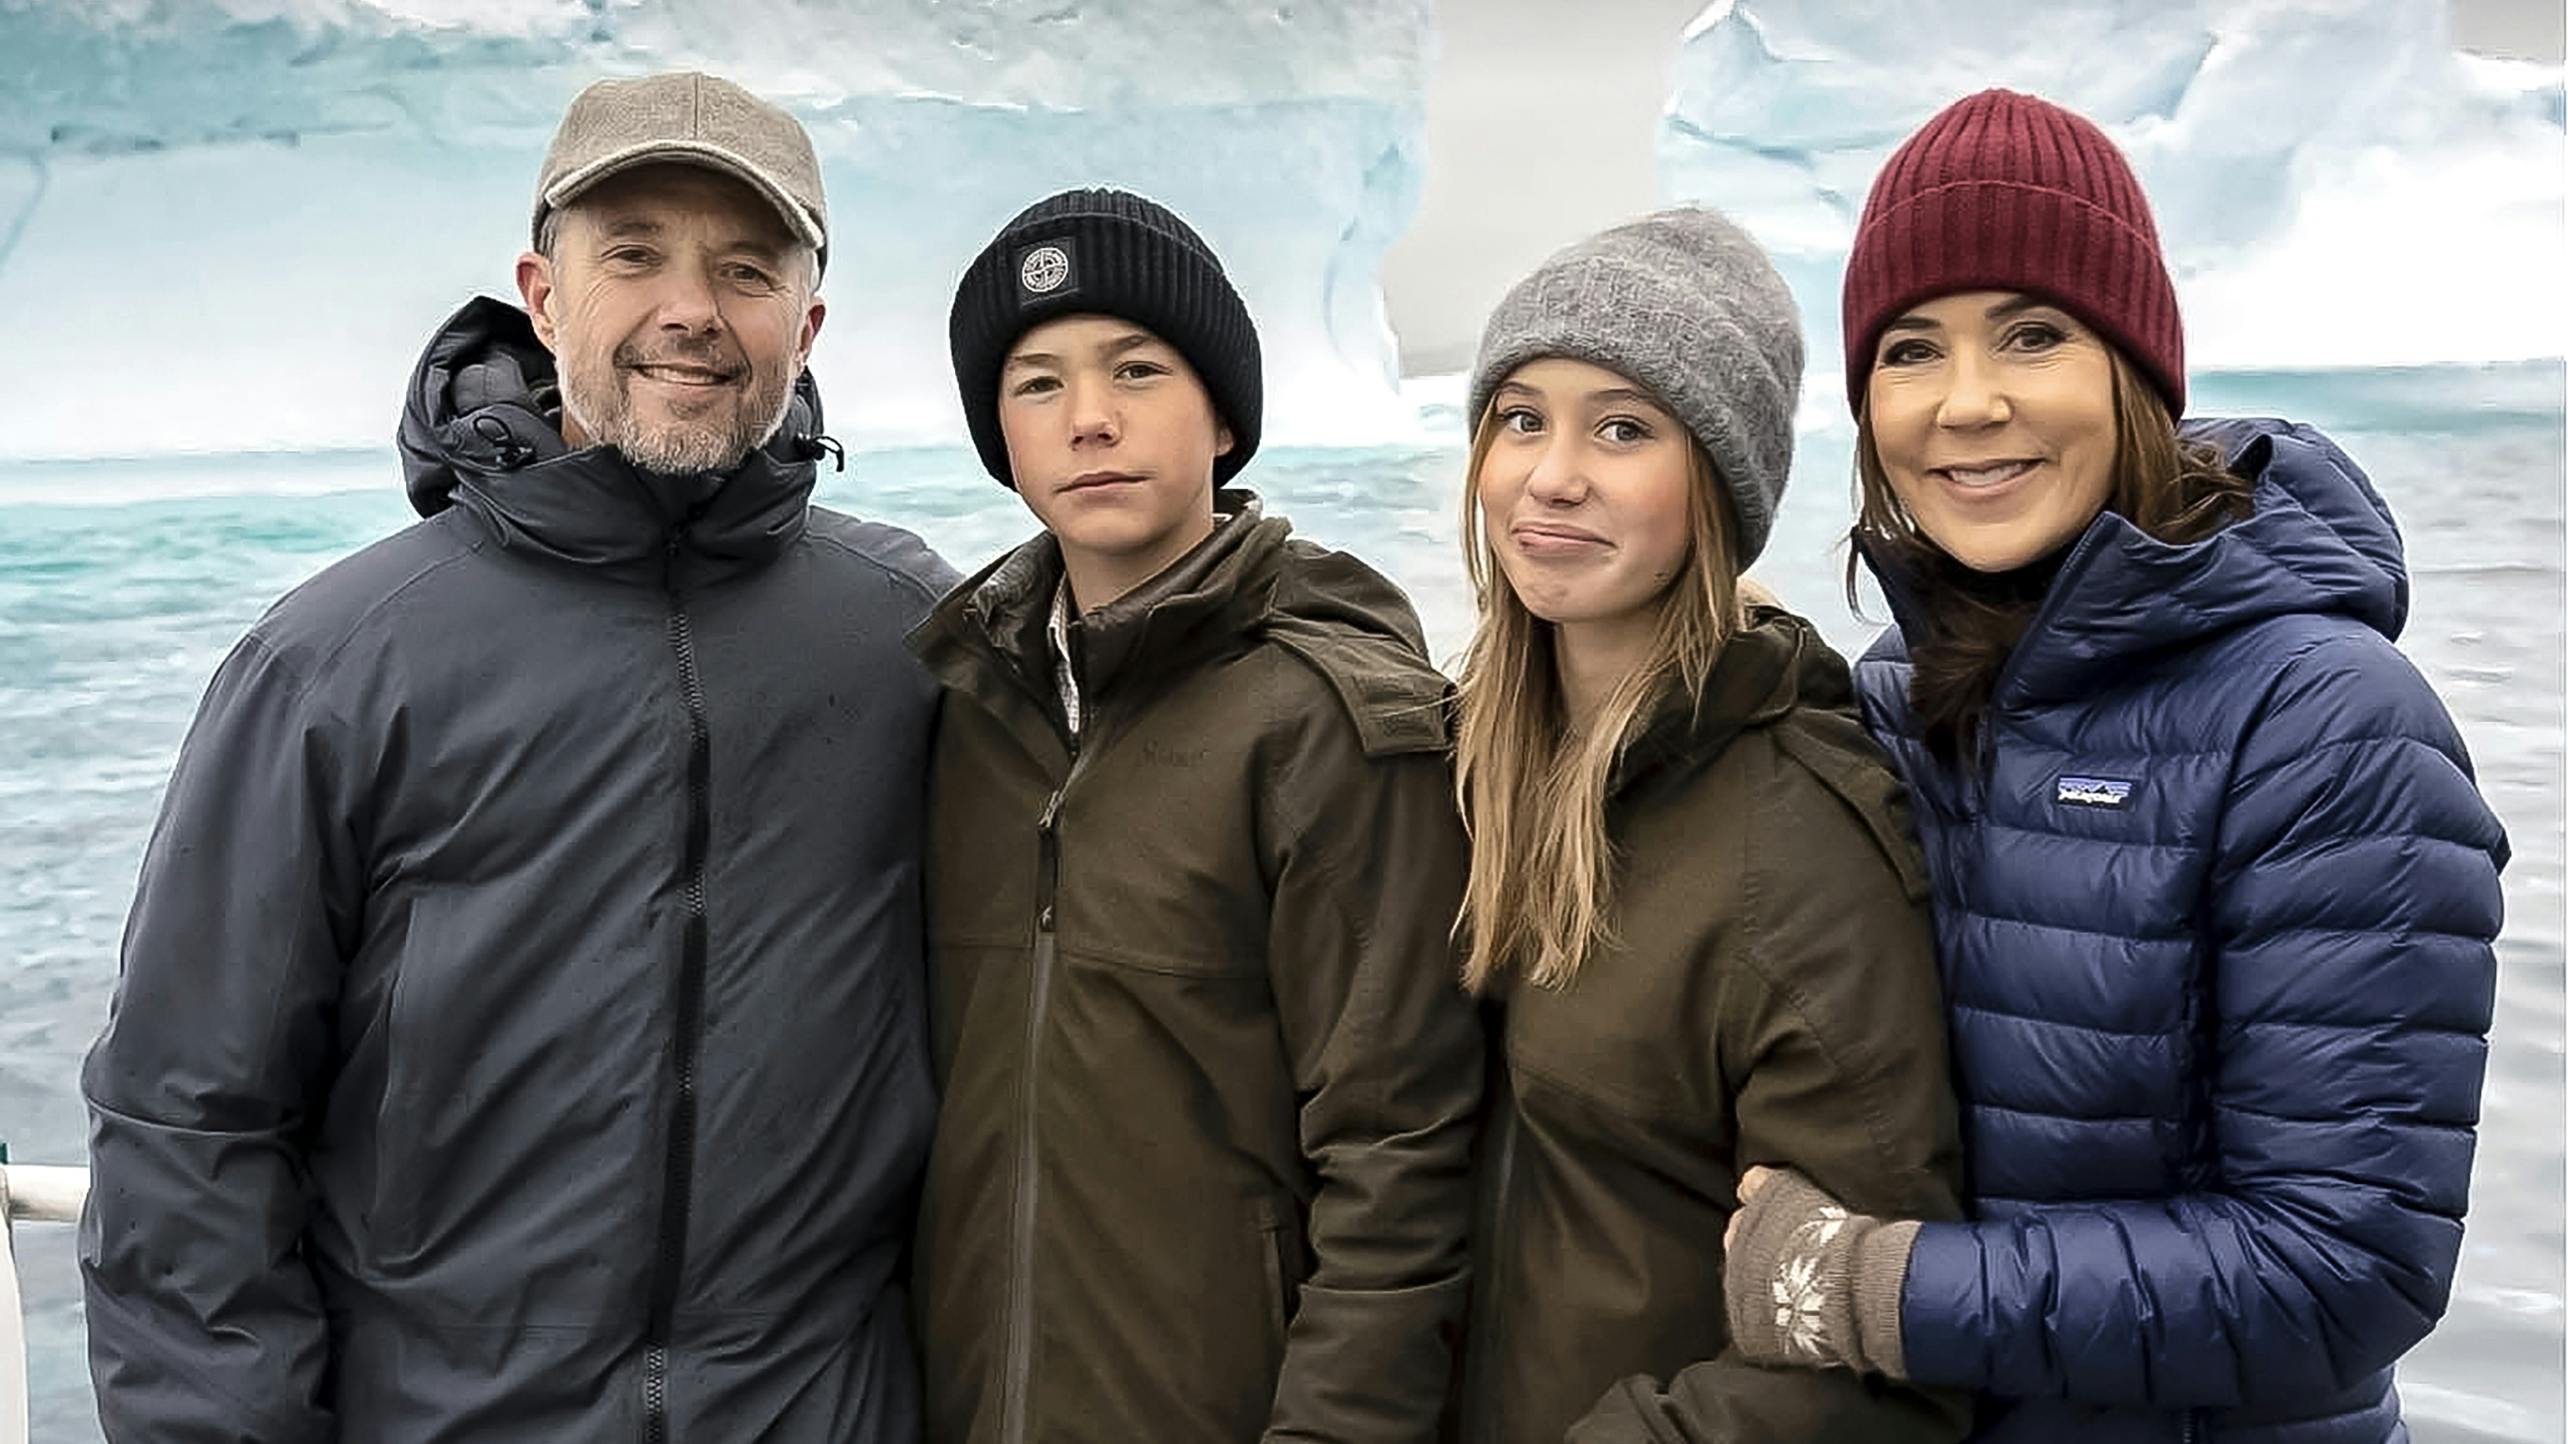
{"x": 1812, "y": 1284}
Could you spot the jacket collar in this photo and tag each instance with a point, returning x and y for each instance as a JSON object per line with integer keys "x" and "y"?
{"x": 1774, "y": 663}
{"x": 988, "y": 638}
{"x": 479, "y": 432}
{"x": 2320, "y": 540}
{"x": 1205, "y": 599}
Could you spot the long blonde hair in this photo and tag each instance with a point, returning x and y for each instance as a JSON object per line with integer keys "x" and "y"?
{"x": 1533, "y": 791}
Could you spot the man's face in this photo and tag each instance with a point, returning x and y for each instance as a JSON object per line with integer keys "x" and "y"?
{"x": 1111, "y": 439}
{"x": 680, "y": 311}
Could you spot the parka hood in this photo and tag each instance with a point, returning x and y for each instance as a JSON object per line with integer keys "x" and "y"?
{"x": 1774, "y": 664}
{"x": 480, "y": 428}
{"x": 2320, "y": 540}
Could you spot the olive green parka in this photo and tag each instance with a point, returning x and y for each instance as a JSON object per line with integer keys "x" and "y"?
{"x": 1767, "y": 996}
{"x": 1202, "y": 1168}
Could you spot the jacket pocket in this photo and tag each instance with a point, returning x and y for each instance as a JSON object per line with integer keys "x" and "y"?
{"x": 408, "y": 1022}
{"x": 1279, "y": 1238}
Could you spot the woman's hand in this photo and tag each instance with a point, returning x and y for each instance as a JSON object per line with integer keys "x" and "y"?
{"x": 1808, "y": 1283}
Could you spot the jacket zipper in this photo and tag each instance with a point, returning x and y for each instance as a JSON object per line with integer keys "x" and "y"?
{"x": 675, "y": 1185}
{"x": 2063, "y": 582}
{"x": 1020, "y": 1315}
{"x": 1475, "y": 1372}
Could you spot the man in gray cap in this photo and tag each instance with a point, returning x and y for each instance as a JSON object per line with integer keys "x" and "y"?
{"x": 519, "y": 1032}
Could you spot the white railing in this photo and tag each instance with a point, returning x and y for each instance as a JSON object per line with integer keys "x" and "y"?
{"x": 29, "y": 1193}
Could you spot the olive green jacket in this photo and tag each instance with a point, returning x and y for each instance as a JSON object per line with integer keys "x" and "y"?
{"x": 1768, "y": 997}
{"x": 1202, "y": 1168}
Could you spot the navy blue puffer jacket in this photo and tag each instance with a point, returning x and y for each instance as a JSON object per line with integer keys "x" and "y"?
{"x": 2216, "y": 923}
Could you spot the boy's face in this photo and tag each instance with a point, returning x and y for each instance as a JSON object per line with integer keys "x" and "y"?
{"x": 1111, "y": 439}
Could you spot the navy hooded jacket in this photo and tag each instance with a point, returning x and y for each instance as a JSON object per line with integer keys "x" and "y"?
{"x": 521, "y": 1032}
{"x": 2216, "y": 913}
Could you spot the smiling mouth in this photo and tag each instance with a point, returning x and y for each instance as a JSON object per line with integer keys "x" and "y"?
{"x": 683, "y": 375}
{"x": 1985, "y": 476}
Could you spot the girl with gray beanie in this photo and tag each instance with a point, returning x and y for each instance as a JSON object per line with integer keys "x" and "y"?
{"x": 1693, "y": 891}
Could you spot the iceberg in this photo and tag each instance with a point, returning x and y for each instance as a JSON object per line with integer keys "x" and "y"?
{"x": 2335, "y": 185}
{"x": 228, "y": 225}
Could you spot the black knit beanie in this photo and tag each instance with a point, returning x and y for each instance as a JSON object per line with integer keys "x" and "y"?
{"x": 1112, "y": 253}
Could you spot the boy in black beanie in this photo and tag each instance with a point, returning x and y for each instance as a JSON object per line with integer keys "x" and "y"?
{"x": 1201, "y": 1170}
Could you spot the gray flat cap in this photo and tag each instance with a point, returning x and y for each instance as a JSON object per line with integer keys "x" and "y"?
{"x": 688, "y": 118}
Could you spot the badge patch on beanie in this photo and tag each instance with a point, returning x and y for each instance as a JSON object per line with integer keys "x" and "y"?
{"x": 1044, "y": 271}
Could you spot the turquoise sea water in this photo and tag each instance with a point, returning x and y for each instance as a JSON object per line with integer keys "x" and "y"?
{"x": 122, "y": 583}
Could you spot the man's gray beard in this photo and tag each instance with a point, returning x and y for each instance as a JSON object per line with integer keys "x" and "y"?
{"x": 604, "y": 413}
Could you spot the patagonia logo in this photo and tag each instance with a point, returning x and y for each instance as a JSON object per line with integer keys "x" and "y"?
{"x": 2093, "y": 792}
{"x": 1042, "y": 271}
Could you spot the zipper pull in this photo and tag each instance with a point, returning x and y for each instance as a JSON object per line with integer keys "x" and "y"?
{"x": 1049, "y": 845}
{"x": 670, "y": 558}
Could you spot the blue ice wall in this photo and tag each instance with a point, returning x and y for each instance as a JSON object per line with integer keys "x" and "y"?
{"x": 2334, "y": 183}
{"x": 229, "y": 224}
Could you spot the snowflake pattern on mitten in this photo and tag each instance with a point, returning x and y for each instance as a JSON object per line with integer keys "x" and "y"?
{"x": 1799, "y": 1297}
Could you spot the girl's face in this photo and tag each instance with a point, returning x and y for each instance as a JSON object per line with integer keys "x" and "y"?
{"x": 1583, "y": 492}
{"x": 1992, "y": 415}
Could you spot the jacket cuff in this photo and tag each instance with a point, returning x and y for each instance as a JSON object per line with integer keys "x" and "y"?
{"x": 1944, "y": 1320}
{"x": 1881, "y": 1276}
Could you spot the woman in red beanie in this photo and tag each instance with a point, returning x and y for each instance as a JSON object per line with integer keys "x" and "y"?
{"x": 2215, "y": 891}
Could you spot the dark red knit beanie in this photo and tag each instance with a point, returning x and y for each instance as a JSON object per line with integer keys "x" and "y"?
{"x": 2007, "y": 192}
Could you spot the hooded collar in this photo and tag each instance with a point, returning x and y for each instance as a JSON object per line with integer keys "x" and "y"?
{"x": 479, "y": 431}
{"x": 1249, "y": 582}
{"x": 995, "y": 621}
{"x": 2320, "y": 540}
{"x": 1772, "y": 664}
{"x": 1203, "y": 600}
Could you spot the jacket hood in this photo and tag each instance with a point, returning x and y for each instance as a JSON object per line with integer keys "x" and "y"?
{"x": 1774, "y": 664}
{"x": 480, "y": 429}
{"x": 1334, "y": 591}
{"x": 2321, "y": 540}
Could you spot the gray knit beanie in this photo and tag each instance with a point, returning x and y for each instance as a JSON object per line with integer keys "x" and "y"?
{"x": 1685, "y": 303}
